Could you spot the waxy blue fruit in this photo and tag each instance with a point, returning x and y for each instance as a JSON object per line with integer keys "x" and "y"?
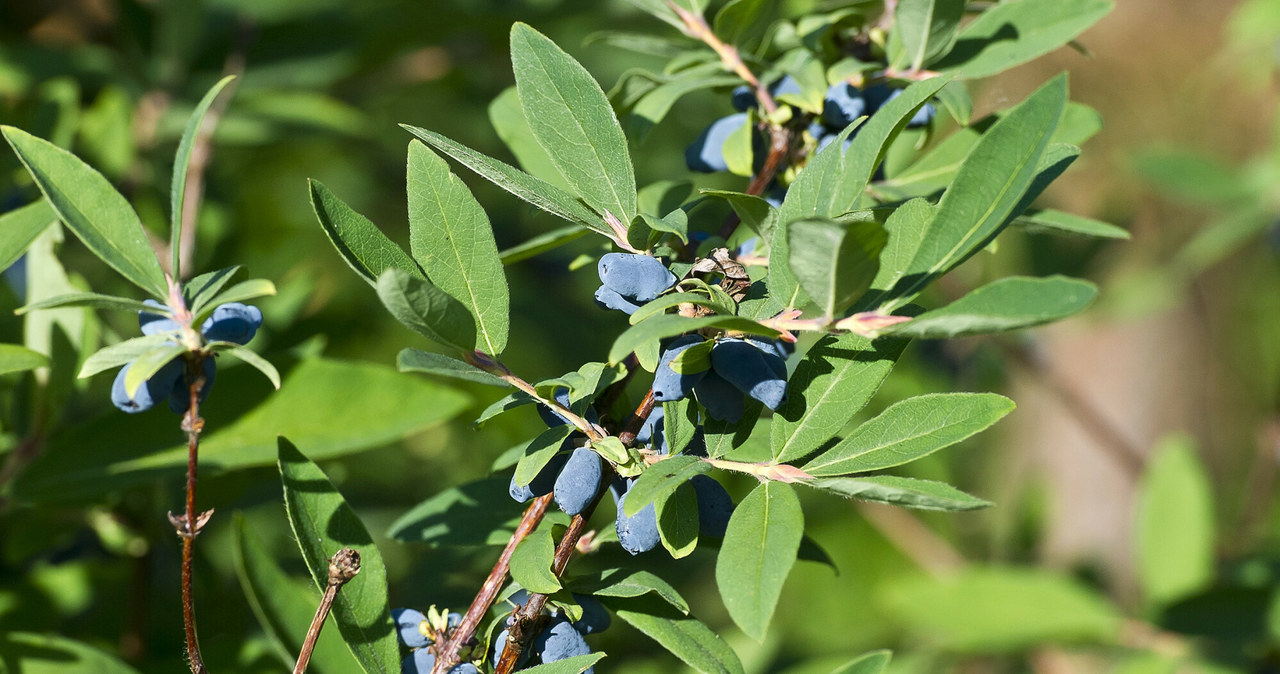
{"x": 843, "y": 104}
{"x": 560, "y": 641}
{"x": 409, "y": 627}
{"x": 706, "y": 153}
{"x": 544, "y": 481}
{"x": 160, "y": 386}
{"x": 721, "y": 400}
{"x": 750, "y": 371}
{"x": 669, "y": 385}
{"x": 637, "y": 533}
{"x": 232, "y": 322}
{"x": 715, "y": 506}
{"x": 608, "y": 299}
{"x": 419, "y": 662}
{"x": 579, "y": 481}
{"x": 638, "y": 278}
{"x": 595, "y": 617}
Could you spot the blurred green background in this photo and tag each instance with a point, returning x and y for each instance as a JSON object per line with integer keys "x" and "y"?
{"x": 1096, "y": 559}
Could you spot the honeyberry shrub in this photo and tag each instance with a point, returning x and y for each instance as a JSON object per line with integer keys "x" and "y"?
{"x": 828, "y": 246}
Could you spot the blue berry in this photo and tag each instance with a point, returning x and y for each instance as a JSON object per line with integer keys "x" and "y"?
{"x": 463, "y": 668}
{"x": 747, "y": 368}
{"x": 232, "y": 322}
{"x": 154, "y": 324}
{"x": 543, "y": 482}
{"x": 721, "y": 400}
{"x": 409, "y": 627}
{"x": 785, "y": 85}
{"x": 715, "y": 506}
{"x": 608, "y": 299}
{"x": 637, "y": 533}
{"x": 180, "y": 396}
{"x": 551, "y": 418}
{"x": 560, "y": 641}
{"x": 780, "y": 348}
{"x": 579, "y": 481}
{"x": 158, "y": 387}
{"x": 880, "y": 94}
{"x": 419, "y": 662}
{"x": 652, "y": 427}
{"x": 639, "y": 278}
{"x": 743, "y": 98}
{"x": 706, "y": 153}
{"x": 669, "y": 385}
{"x": 595, "y": 617}
{"x": 843, "y": 104}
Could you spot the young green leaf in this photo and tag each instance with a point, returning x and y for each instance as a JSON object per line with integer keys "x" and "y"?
{"x": 927, "y": 28}
{"x": 834, "y": 380}
{"x": 1007, "y": 304}
{"x": 662, "y": 478}
{"x": 531, "y": 562}
{"x": 18, "y": 228}
{"x": 678, "y": 520}
{"x": 867, "y": 663}
{"x": 149, "y": 363}
{"x": 687, "y": 639}
{"x": 450, "y": 236}
{"x": 121, "y": 353}
{"x": 572, "y": 119}
{"x": 416, "y": 360}
{"x": 901, "y": 491}
{"x": 834, "y": 262}
{"x": 539, "y": 451}
{"x": 323, "y": 524}
{"x": 911, "y": 429}
{"x": 251, "y": 357}
{"x": 1175, "y": 530}
{"x": 181, "y": 163}
{"x": 670, "y": 325}
{"x": 758, "y": 551}
{"x": 1016, "y": 31}
{"x": 240, "y": 292}
{"x": 427, "y": 310}
{"x": 92, "y": 208}
{"x": 203, "y": 288}
{"x": 360, "y": 243}
{"x": 89, "y": 300}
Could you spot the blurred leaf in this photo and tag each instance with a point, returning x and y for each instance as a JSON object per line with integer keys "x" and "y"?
{"x": 661, "y": 479}
{"x": 323, "y": 524}
{"x": 1058, "y": 222}
{"x": 757, "y": 553}
{"x": 450, "y": 236}
{"x": 574, "y": 665}
{"x": 1009, "y": 303}
{"x": 987, "y": 189}
{"x": 742, "y": 22}
{"x": 1191, "y": 177}
{"x": 92, "y": 208}
{"x": 869, "y": 663}
{"x": 20, "y": 227}
{"x": 1079, "y": 123}
{"x": 628, "y": 584}
{"x": 14, "y": 358}
{"x": 834, "y": 262}
{"x": 121, "y": 353}
{"x": 653, "y": 107}
{"x": 532, "y": 559}
{"x": 533, "y": 190}
{"x": 415, "y": 360}
{"x": 1175, "y": 530}
{"x": 687, "y": 639}
{"x": 27, "y": 653}
{"x": 284, "y": 608}
{"x": 178, "y": 188}
{"x": 678, "y": 520}
{"x": 927, "y": 28}
{"x": 573, "y": 121}
{"x": 1002, "y": 609}
{"x": 476, "y": 513}
{"x": 660, "y": 9}
{"x": 541, "y": 244}
{"x": 661, "y": 327}
{"x": 1016, "y": 31}
{"x": 427, "y": 310}
{"x": 910, "y": 429}
{"x": 753, "y": 211}
{"x": 508, "y": 121}
{"x": 328, "y": 406}
{"x": 89, "y": 300}
{"x": 360, "y": 243}
{"x": 834, "y": 380}
{"x": 901, "y": 491}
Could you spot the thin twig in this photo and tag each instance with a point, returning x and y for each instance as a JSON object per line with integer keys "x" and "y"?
{"x": 189, "y": 524}
{"x": 696, "y": 27}
{"x": 343, "y": 566}
{"x": 447, "y": 651}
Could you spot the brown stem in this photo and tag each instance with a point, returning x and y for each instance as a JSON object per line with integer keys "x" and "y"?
{"x": 628, "y": 434}
{"x": 189, "y": 524}
{"x": 343, "y": 566}
{"x": 696, "y": 26}
{"x": 447, "y": 651}
{"x": 779, "y": 151}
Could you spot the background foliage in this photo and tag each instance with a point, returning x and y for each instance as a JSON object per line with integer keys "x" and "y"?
{"x": 1136, "y": 524}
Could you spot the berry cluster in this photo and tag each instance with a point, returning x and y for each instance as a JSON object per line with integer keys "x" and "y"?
{"x": 417, "y": 632}
{"x": 844, "y": 103}
{"x": 561, "y": 638}
{"x": 628, "y": 281}
{"x": 574, "y": 474}
{"x": 738, "y": 366}
{"x": 230, "y": 322}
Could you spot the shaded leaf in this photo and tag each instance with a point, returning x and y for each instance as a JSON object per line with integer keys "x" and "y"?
{"x": 251, "y": 357}
{"x": 18, "y": 228}
{"x": 532, "y": 559}
{"x": 508, "y": 121}
{"x": 476, "y": 513}
{"x": 662, "y": 478}
{"x": 427, "y": 310}
{"x": 575, "y": 665}
{"x": 541, "y": 244}
{"x": 1016, "y": 31}
{"x": 360, "y": 243}
{"x": 415, "y": 360}
{"x": 834, "y": 262}
{"x": 1175, "y": 528}
{"x": 678, "y": 523}
{"x": 687, "y": 639}
{"x": 927, "y": 28}
{"x": 627, "y": 584}
{"x": 868, "y": 663}
{"x": 28, "y": 653}
{"x": 1058, "y": 222}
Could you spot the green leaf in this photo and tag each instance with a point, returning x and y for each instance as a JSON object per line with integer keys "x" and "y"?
{"x": 539, "y": 451}
{"x": 679, "y": 424}
{"x": 867, "y": 663}
{"x": 120, "y": 353}
{"x": 1007, "y": 304}
{"x": 927, "y": 28}
{"x": 678, "y": 520}
{"x": 628, "y": 584}
{"x": 670, "y": 325}
{"x": 572, "y": 119}
{"x": 427, "y": 310}
{"x": 661, "y": 479}
{"x": 741, "y": 22}
{"x": 477, "y": 513}
{"x": 92, "y": 208}
{"x": 323, "y": 524}
{"x": 149, "y": 363}
{"x": 89, "y": 300}
{"x": 240, "y": 292}
{"x": 665, "y": 302}
{"x": 538, "y": 192}
{"x": 901, "y": 491}
{"x": 1175, "y": 529}
{"x": 508, "y": 121}
{"x": 29, "y": 653}
{"x": 415, "y": 360}
{"x": 911, "y": 429}
{"x": 1057, "y": 222}
{"x": 834, "y": 380}
{"x": 687, "y": 639}
{"x": 575, "y": 665}
{"x": 181, "y": 163}
{"x": 203, "y": 288}
{"x": 450, "y": 236}
{"x": 1002, "y": 609}
{"x": 532, "y": 559}
{"x": 360, "y": 243}
{"x": 284, "y": 608}
{"x": 1016, "y": 31}
{"x": 20, "y": 227}
{"x": 834, "y": 262}
{"x": 654, "y": 105}
{"x": 251, "y": 357}
{"x": 752, "y": 210}
{"x": 758, "y": 551}
{"x": 14, "y": 358}
{"x": 325, "y": 405}
{"x": 541, "y": 244}
{"x": 986, "y": 190}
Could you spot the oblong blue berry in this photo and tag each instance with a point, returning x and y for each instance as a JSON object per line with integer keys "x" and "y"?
{"x": 232, "y": 322}
{"x": 550, "y": 417}
{"x": 595, "y": 617}
{"x": 608, "y": 299}
{"x": 669, "y": 385}
{"x": 746, "y": 367}
{"x": 639, "y": 532}
{"x": 638, "y": 278}
{"x": 651, "y": 426}
{"x": 158, "y": 387}
{"x": 560, "y": 641}
{"x": 543, "y": 482}
{"x": 720, "y": 398}
{"x": 419, "y": 662}
{"x": 154, "y": 324}
{"x": 180, "y": 395}
{"x": 743, "y": 98}
{"x": 843, "y": 104}
{"x": 715, "y": 506}
{"x": 706, "y": 153}
{"x": 409, "y": 627}
{"x": 579, "y": 481}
